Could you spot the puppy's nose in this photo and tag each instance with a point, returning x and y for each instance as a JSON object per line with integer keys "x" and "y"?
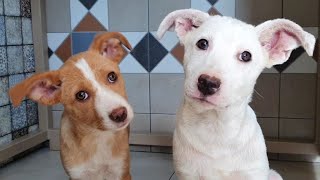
{"x": 118, "y": 115}
{"x": 208, "y": 85}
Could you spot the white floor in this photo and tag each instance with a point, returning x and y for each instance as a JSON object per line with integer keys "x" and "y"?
{"x": 46, "y": 165}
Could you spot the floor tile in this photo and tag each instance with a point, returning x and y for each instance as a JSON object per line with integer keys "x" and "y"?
{"x": 1, "y": 7}
{"x": 26, "y": 31}
{"x": 18, "y": 117}
{"x": 178, "y": 52}
{"x": 166, "y": 92}
{"x": 295, "y": 54}
{"x": 140, "y": 148}
{"x": 81, "y": 41}
{"x": 77, "y": 12}
{"x": 59, "y": 22}
{"x": 19, "y": 133}
{"x": 100, "y": 12}
{"x": 296, "y": 11}
{"x": 266, "y": 98}
{"x": 269, "y": 127}
{"x": 55, "y": 62}
{"x": 55, "y": 40}
{"x": 297, "y": 95}
{"x": 15, "y": 59}
{"x": 88, "y": 3}
{"x": 156, "y": 52}
{"x": 15, "y": 79}
{"x": 162, "y": 149}
{"x": 89, "y": 23}
{"x": 57, "y": 107}
{"x": 5, "y": 140}
{"x": 202, "y": 5}
{"x": 25, "y": 8}
{"x": 130, "y": 65}
{"x": 169, "y": 40}
{"x": 32, "y": 112}
{"x": 140, "y": 52}
{"x": 3, "y": 61}
{"x": 134, "y": 11}
{"x": 168, "y": 64}
{"x": 13, "y": 30}
{"x": 4, "y": 84}
{"x": 160, "y": 9}
{"x": 226, "y": 8}
{"x": 137, "y": 86}
{"x": 12, "y": 7}
{"x": 33, "y": 128}
{"x": 140, "y": 123}
{"x": 2, "y": 31}
{"x": 163, "y": 123}
{"x": 250, "y": 11}
{"x": 64, "y": 51}
{"x": 28, "y": 58}
{"x": 5, "y": 123}
{"x": 161, "y": 167}
{"x": 56, "y": 116}
{"x": 297, "y": 129}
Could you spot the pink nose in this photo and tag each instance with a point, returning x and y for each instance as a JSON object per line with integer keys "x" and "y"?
{"x": 118, "y": 114}
{"x": 208, "y": 85}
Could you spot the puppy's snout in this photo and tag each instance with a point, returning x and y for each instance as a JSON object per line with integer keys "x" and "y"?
{"x": 119, "y": 114}
{"x": 208, "y": 85}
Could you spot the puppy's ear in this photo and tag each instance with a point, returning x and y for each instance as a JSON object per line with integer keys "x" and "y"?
{"x": 280, "y": 36}
{"x": 182, "y": 21}
{"x": 44, "y": 88}
{"x": 109, "y": 44}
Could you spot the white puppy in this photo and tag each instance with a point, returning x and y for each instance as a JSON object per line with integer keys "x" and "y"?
{"x": 217, "y": 134}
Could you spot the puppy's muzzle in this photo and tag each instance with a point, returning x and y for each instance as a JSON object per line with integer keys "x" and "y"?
{"x": 208, "y": 85}
{"x": 118, "y": 115}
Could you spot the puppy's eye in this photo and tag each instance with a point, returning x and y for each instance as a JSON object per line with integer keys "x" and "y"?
{"x": 82, "y": 95}
{"x": 112, "y": 77}
{"x": 245, "y": 56}
{"x": 203, "y": 44}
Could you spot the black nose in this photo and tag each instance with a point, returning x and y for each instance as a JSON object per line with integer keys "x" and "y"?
{"x": 118, "y": 115}
{"x": 208, "y": 85}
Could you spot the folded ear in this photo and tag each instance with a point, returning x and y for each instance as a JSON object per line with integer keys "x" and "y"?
{"x": 182, "y": 21}
{"x": 280, "y": 36}
{"x": 43, "y": 88}
{"x": 109, "y": 44}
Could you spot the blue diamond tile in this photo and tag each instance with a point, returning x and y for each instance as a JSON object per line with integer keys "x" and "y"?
{"x": 32, "y": 112}
{"x": 18, "y": 117}
{"x": 156, "y": 52}
{"x": 5, "y": 122}
{"x": 3, "y": 61}
{"x": 15, "y": 79}
{"x": 2, "y": 31}
{"x": 28, "y": 58}
{"x": 88, "y": 3}
{"x": 12, "y": 7}
{"x": 81, "y": 41}
{"x": 140, "y": 52}
{"x": 50, "y": 52}
{"x": 19, "y": 133}
{"x": 212, "y": 2}
{"x": 26, "y": 31}
{"x": 15, "y": 59}
{"x": 13, "y": 30}
{"x": 4, "y": 84}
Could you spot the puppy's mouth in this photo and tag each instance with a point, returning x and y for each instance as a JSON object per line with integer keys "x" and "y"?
{"x": 202, "y": 100}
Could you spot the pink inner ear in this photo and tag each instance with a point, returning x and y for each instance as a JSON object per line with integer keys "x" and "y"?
{"x": 281, "y": 45}
{"x": 182, "y": 26}
{"x": 43, "y": 90}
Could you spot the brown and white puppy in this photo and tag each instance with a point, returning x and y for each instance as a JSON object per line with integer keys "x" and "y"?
{"x": 94, "y": 125}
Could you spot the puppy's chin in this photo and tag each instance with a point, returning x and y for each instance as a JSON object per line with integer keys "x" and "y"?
{"x": 113, "y": 126}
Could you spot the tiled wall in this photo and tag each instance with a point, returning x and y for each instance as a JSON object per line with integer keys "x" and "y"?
{"x": 16, "y": 63}
{"x": 285, "y": 98}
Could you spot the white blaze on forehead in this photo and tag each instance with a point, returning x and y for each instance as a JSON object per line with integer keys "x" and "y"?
{"x": 106, "y": 100}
